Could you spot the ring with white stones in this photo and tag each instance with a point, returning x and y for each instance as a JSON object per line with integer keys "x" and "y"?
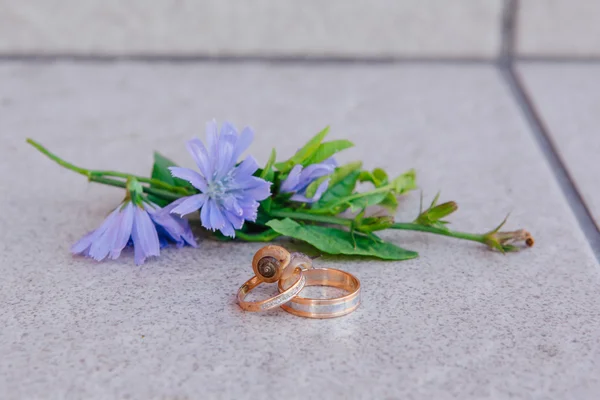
{"x": 270, "y": 264}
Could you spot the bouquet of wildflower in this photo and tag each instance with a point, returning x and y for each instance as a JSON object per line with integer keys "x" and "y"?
{"x": 308, "y": 197}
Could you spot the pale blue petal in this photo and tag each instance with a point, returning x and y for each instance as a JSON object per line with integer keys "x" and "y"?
{"x": 315, "y": 171}
{"x": 89, "y": 239}
{"x": 83, "y": 244}
{"x": 290, "y": 183}
{"x": 201, "y": 157}
{"x": 244, "y": 141}
{"x": 216, "y": 217}
{"x": 205, "y": 214}
{"x": 320, "y": 190}
{"x": 300, "y": 198}
{"x": 227, "y": 129}
{"x": 191, "y": 176}
{"x": 258, "y": 191}
{"x": 144, "y": 236}
{"x": 189, "y": 204}
{"x": 178, "y": 229}
{"x": 250, "y": 208}
{"x": 236, "y": 220}
{"x": 331, "y": 161}
{"x": 212, "y": 137}
{"x": 231, "y": 204}
{"x": 225, "y": 160}
{"x": 125, "y": 225}
{"x": 246, "y": 168}
{"x": 227, "y": 230}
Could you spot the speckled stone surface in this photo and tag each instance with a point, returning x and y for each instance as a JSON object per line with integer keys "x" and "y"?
{"x": 455, "y": 28}
{"x": 460, "y": 322}
{"x": 567, "y": 96}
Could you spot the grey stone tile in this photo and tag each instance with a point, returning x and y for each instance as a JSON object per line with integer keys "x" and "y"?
{"x": 564, "y": 28}
{"x": 567, "y": 97}
{"x": 469, "y": 28}
{"x": 460, "y": 322}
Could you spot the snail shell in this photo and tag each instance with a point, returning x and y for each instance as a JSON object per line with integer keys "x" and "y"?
{"x": 270, "y": 262}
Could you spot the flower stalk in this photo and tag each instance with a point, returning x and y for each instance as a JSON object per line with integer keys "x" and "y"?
{"x": 303, "y": 197}
{"x": 95, "y": 175}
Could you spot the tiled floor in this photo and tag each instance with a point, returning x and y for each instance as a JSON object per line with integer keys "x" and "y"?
{"x": 567, "y": 97}
{"x": 460, "y": 322}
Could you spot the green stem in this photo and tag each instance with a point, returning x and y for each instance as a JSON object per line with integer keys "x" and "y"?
{"x": 57, "y": 159}
{"x": 94, "y": 174}
{"x": 265, "y": 236}
{"x": 430, "y": 229}
{"x": 326, "y": 219}
{"x": 163, "y": 194}
{"x": 151, "y": 181}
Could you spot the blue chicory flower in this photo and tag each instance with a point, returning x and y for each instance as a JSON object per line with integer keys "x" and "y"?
{"x": 145, "y": 226}
{"x": 300, "y": 178}
{"x": 229, "y": 192}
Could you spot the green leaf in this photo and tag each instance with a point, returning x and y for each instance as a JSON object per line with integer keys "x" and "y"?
{"x": 341, "y": 184}
{"x": 266, "y": 204}
{"x": 366, "y": 200}
{"x": 311, "y": 189}
{"x": 377, "y": 177}
{"x": 356, "y": 202}
{"x": 160, "y": 171}
{"x": 268, "y": 173}
{"x": 390, "y": 202}
{"x": 405, "y": 182}
{"x": 327, "y": 150}
{"x": 304, "y": 153}
{"x": 337, "y": 241}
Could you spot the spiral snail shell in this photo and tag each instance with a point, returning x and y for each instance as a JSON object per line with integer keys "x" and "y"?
{"x": 270, "y": 262}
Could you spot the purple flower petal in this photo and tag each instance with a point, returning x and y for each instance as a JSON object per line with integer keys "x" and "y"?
{"x": 123, "y": 232}
{"x": 178, "y": 229}
{"x": 85, "y": 244}
{"x": 236, "y": 220}
{"x": 205, "y": 214}
{"x": 300, "y": 198}
{"x": 217, "y": 221}
{"x": 320, "y": 190}
{"x": 231, "y": 204}
{"x": 225, "y": 160}
{"x": 301, "y": 178}
{"x": 144, "y": 236}
{"x": 243, "y": 142}
{"x": 259, "y": 190}
{"x": 212, "y": 136}
{"x": 246, "y": 167}
{"x": 191, "y": 176}
{"x": 292, "y": 180}
{"x": 189, "y": 204}
{"x": 200, "y": 156}
{"x": 229, "y": 189}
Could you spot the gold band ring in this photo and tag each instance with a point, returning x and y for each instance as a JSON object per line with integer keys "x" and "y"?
{"x": 270, "y": 264}
{"x": 324, "y": 308}
{"x": 275, "y": 301}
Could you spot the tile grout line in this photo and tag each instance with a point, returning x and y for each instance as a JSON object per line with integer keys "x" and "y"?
{"x": 507, "y": 67}
{"x": 508, "y": 31}
{"x": 238, "y": 59}
{"x": 557, "y": 165}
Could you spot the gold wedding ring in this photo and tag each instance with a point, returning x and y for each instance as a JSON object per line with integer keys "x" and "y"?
{"x": 271, "y": 264}
{"x": 323, "y": 308}
{"x": 294, "y": 272}
{"x": 272, "y": 302}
